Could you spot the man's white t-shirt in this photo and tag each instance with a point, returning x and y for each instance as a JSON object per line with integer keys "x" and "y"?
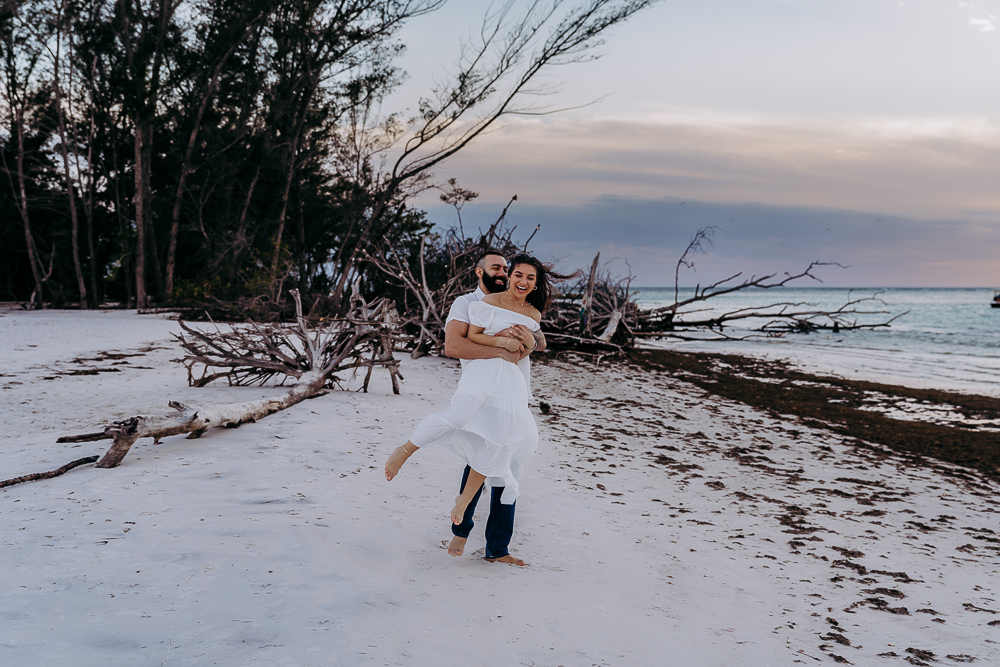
{"x": 460, "y": 308}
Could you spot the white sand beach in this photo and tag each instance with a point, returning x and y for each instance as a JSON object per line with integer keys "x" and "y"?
{"x": 663, "y": 526}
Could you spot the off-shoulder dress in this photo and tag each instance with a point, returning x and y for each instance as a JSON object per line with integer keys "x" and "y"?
{"x": 488, "y": 424}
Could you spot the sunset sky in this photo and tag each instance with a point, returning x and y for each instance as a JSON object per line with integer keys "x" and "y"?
{"x": 865, "y": 132}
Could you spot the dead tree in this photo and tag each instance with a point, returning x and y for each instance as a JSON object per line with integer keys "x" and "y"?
{"x": 496, "y": 72}
{"x": 455, "y": 258}
{"x": 254, "y": 354}
{"x": 598, "y": 313}
{"x": 780, "y": 317}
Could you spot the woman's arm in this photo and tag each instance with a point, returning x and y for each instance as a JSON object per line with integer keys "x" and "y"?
{"x": 476, "y": 335}
{"x": 458, "y": 346}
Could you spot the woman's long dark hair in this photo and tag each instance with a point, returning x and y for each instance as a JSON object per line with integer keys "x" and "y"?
{"x": 541, "y": 296}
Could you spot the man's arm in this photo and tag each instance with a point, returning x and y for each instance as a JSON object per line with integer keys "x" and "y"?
{"x": 539, "y": 340}
{"x": 457, "y": 346}
{"x": 531, "y": 341}
{"x": 539, "y": 343}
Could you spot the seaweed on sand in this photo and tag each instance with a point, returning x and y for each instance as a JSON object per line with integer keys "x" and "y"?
{"x": 832, "y": 403}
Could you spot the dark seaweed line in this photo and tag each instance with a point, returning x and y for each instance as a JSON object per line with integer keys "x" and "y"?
{"x": 813, "y": 406}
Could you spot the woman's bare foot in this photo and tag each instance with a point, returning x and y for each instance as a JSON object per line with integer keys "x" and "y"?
{"x": 396, "y": 461}
{"x": 458, "y": 511}
{"x": 473, "y": 483}
{"x": 457, "y": 545}
{"x": 510, "y": 560}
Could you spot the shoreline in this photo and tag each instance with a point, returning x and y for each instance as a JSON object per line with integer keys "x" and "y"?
{"x": 715, "y": 532}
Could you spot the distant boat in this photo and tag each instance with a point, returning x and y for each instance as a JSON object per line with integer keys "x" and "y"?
{"x": 995, "y": 303}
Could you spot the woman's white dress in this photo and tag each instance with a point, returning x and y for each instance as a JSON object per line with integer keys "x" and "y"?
{"x": 488, "y": 424}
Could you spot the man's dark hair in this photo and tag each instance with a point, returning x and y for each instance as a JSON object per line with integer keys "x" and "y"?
{"x": 486, "y": 253}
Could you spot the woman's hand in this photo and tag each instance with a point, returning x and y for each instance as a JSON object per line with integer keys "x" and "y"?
{"x": 524, "y": 335}
{"x": 516, "y": 337}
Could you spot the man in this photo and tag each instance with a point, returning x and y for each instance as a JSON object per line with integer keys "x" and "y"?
{"x": 491, "y": 269}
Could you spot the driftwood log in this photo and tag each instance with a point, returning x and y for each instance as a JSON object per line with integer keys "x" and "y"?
{"x": 253, "y": 354}
{"x": 48, "y": 475}
{"x": 195, "y": 420}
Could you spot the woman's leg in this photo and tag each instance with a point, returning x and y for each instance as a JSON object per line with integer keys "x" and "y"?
{"x": 460, "y": 531}
{"x": 398, "y": 458}
{"x": 472, "y": 486}
{"x": 432, "y": 429}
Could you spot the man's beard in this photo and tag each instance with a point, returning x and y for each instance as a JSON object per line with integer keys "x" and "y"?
{"x": 495, "y": 284}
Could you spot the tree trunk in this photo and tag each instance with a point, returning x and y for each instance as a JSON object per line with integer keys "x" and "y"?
{"x": 152, "y": 250}
{"x": 70, "y": 189}
{"x": 88, "y": 213}
{"x": 140, "y": 200}
{"x": 588, "y": 298}
{"x": 377, "y": 212}
{"x": 195, "y": 420}
{"x": 70, "y": 193}
{"x": 175, "y": 225}
{"x": 283, "y": 212}
{"x": 186, "y": 169}
{"x": 143, "y": 38}
{"x": 75, "y": 237}
{"x": 241, "y": 228}
{"x": 22, "y": 206}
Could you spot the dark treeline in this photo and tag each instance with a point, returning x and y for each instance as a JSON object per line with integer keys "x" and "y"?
{"x": 185, "y": 151}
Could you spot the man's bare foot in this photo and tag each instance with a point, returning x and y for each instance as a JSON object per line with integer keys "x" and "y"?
{"x": 458, "y": 511}
{"x": 457, "y": 545}
{"x": 396, "y": 461}
{"x": 510, "y": 560}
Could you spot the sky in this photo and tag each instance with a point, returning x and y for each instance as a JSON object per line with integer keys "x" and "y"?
{"x": 862, "y": 132}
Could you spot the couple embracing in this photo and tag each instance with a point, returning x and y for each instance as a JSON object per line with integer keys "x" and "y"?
{"x": 493, "y": 330}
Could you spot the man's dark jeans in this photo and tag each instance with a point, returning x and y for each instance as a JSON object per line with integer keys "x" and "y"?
{"x": 499, "y": 524}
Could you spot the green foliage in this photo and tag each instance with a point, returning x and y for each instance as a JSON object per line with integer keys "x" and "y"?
{"x": 248, "y": 132}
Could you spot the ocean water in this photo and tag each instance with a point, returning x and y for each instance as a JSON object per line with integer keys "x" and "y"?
{"x": 943, "y": 337}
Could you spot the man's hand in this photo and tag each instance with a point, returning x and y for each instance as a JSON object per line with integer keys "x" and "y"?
{"x": 507, "y": 355}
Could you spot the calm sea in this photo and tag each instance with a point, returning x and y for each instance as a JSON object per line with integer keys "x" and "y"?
{"x": 945, "y": 338}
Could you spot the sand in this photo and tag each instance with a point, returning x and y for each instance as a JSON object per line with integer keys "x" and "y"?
{"x": 663, "y": 526}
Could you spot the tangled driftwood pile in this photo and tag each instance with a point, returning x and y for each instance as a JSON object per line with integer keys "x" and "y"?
{"x": 310, "y": 353}
{"x": 599, "y": 312}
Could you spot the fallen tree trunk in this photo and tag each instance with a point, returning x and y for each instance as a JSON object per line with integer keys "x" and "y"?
{"x": 195, "y": 420}
{"x": 254, "y": 354}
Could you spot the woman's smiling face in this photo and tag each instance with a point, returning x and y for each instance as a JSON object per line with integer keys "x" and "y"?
{"x": 522, "y": 280}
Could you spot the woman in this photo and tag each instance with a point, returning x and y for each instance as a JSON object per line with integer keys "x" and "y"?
{"x": 489, "y": 424}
